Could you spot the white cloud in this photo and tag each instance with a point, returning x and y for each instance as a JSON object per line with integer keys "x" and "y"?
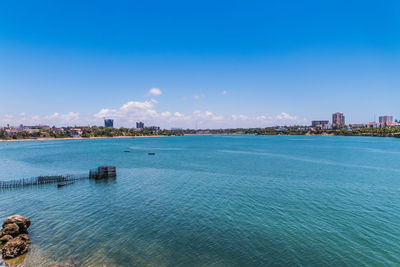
{"x": 7, "y": 119}
{"x": 56, "y": 118}
{"x": 218, "y": 118}
{"x": 285, "y": 116}
{"x": 224, "y": 92}
{"x": 68, "y": 119}
{"x": 35, "y": 119}
{"x": 63, "y": 118}
{"x": 154, "y": 92}
{"x": 261, "y": 118}
{"x": 135, "y": 106}
{"x": 105, "y": 112}
{"x": 166, "y": 114}
{"x": 130, "y": 112}
{"x": 178, "y": 114}
{"x": 239, "y": 117}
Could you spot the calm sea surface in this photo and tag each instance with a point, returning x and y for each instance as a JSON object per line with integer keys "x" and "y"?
{"x": 211, "y": 201}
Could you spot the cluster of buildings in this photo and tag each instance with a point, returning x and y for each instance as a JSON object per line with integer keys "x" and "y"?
{"x": 338, "y": 122}
{"x": 36, "y": 129}
{"x": 139, "y": 125}
{"x": 385, "y": 121}
{"x": 75, "y": 131}
{"x": 23, "y": 128}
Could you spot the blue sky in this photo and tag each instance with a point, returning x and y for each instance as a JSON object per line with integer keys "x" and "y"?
{"x": 214, "y": 63}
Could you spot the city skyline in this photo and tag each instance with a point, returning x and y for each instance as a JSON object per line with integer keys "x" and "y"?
{"x": 338, "y": 121}
{"x": 210, "y": 65}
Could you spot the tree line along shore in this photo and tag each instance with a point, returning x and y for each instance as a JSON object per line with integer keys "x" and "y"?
{"x": 101, "y": 132}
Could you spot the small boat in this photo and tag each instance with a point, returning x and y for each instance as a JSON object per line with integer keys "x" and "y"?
{"x": 64, "y": 184}
{"x": 151, "y": 153}
{"x": 127, "y": 150}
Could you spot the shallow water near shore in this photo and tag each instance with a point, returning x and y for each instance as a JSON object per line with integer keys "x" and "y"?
{"x": 211, "y": 201}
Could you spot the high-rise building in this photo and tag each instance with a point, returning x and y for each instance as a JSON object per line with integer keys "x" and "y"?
{"x": 139, "y": 125}
{"x": 338, "y": 119}
{"x": 321, "y": 124}
{"x": 108, "y": 123}
{"x": 385, "y": 119}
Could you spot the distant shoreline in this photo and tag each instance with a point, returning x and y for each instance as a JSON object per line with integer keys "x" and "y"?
{"x": 77, "y": 138}
{"x": 144, "y": 136}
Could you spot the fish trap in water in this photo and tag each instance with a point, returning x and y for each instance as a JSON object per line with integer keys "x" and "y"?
{"x": 103, "y": 172}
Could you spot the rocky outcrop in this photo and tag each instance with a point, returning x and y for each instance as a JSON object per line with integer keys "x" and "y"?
{"x": 14, "y": 239}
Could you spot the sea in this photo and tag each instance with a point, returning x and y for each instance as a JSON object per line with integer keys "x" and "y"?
{"x": 212, "y": 200}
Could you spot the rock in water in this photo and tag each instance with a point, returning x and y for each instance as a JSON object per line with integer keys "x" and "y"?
{"x": 11, "y": 229}
{"x": 14, "y": 239}
{"x": 4, "y": 239}
{"x": 22, "y": 222}
{"x": 16, "y": 247}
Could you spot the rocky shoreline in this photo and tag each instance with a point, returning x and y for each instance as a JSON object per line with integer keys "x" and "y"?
{"x": 14, "y": 238}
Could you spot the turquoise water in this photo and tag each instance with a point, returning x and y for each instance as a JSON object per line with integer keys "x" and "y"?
{"x": 211, "y": 201}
